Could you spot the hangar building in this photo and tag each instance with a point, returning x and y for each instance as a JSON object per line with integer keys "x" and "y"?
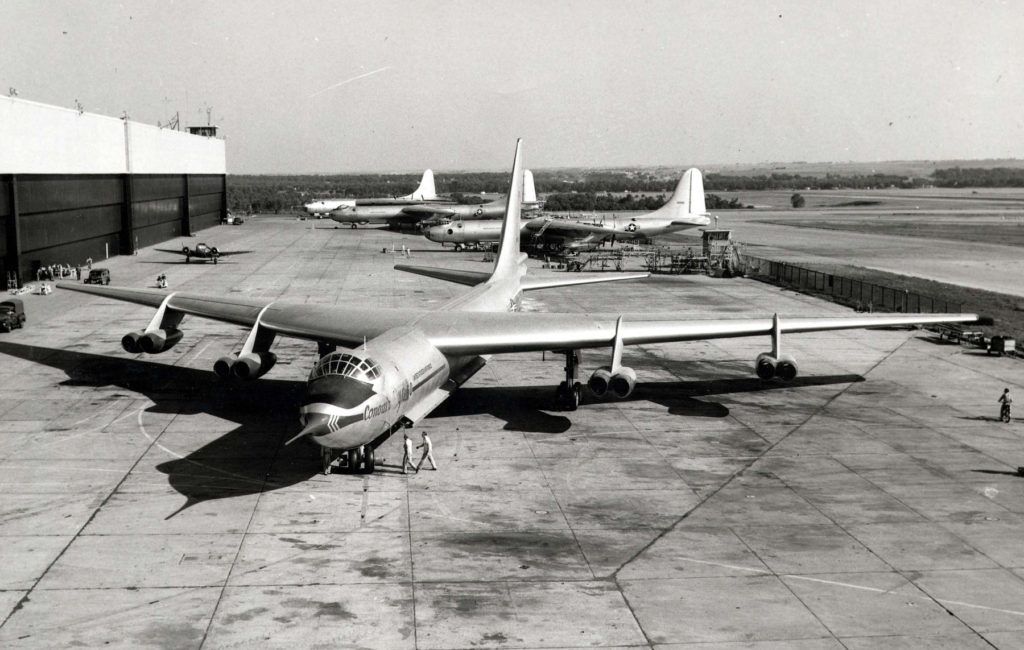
{"x": 76, "y": 185}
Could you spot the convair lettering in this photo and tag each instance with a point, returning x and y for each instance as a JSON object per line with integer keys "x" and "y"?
{"x": 380, "y": 409}
{"x": 421, "y": 371}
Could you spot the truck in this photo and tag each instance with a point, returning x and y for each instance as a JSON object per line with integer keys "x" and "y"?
{"x": 12, "y": 314}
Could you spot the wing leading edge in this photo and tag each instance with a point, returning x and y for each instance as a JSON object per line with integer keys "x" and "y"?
{"x": 482, "y": 333}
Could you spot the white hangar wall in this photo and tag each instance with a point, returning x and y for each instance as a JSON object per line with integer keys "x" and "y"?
{"x": 76, "y": 185}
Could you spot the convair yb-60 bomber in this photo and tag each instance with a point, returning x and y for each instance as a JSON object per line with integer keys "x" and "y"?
{"x": 382, "y": 369}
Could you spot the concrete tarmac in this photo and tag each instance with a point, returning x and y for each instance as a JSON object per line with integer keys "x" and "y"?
{"x": 871, "y": 503}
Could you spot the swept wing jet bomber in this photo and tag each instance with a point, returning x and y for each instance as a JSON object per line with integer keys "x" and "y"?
{"x": 686, "y": 209}
{"x": 384, "y": 368}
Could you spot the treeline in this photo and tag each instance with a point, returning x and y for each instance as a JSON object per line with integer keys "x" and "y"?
{"x": 579, "y": 189}
{"x": 279, "y": 193}
{"x": 733, "y": 183}
{"x": 996, "y": 177}
{"x": 591, "y": 202}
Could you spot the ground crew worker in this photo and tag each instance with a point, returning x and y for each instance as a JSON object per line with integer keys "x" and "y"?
{"x": 1005, "y": 401}
{"x": 407, "y": 454}
{"x": 428, "y": 448}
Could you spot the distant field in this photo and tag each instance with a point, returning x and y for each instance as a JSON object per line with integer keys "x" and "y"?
{"x": 1011, "y": 234}
{"x": 917, "y": 199}
{"x": 921, "y": 168}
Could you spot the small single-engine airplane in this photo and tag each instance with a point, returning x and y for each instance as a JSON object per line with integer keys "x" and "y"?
{"x": 399, "y": 364}
{"x": 201, "y": 253}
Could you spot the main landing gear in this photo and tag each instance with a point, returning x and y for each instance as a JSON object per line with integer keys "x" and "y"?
{"x": 353, "y": 226}
{"x": 354, "y": 461}
{"x": 570, "y": 390}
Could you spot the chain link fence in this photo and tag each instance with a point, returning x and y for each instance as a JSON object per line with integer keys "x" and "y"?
{"x": 861, "y": 295}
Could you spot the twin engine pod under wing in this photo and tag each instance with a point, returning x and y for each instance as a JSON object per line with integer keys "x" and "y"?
{"x": 620, "y": 382}
{"x": 353, "y": 395}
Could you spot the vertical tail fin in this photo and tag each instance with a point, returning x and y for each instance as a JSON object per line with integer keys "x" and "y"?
{"x": 426, "y": 191}
{"x": 688, "y": 199}
{"x": 529, "y": 192}
{"x": 509, "y": 258}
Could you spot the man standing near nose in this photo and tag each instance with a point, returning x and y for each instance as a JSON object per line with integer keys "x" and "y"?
{"x": 428, "y": 448}
{"x": 407, "y": 454}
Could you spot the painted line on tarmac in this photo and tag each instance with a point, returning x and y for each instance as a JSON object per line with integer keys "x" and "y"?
{"x": 215, "y": 470}
{"x": 848, "y": 585}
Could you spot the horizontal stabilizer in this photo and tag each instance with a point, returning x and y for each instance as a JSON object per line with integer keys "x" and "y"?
{"x": 470, "y": 278}
{"x": 569, "y": 280}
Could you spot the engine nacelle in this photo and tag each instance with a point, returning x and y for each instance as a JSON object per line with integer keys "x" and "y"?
{"x": 623, "y": 382}
{"x": 764, "y": 365}
{"x": 786, "y": 369}
{"x": 768, "y": 367}
{"x": 244, "y": 366}
{"x": 620, "y": 384}
{"x": 153, "y": 342}
{"x": 598, "y": 382}
{"x": 223, "y": 366}
{"x": 130, "y": 341}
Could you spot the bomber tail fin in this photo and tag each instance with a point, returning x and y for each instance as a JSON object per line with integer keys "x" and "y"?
{"x": 509, "y": 262}
{"x": 529, "y": 192}
{"x": 687, "y": 201}
{"x": 426, "y": 191}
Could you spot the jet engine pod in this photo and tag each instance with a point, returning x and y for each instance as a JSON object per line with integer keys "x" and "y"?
{"x": 764, "y": 365}
{"x": 623, "y": 382}
{"x": 223, "y": 366}
{"x": 786, "y": 368}
{"x": 598, "y": 382}
{"x": 158, "y": 340}
{"x": 253, "y": 364}
{"x": 130, "y": 341}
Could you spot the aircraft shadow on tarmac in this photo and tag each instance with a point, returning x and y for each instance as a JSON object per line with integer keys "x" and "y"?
{"x": 524, "y": 408}
{"x": 248, "y": 459}
{"x": 251, "y": 457}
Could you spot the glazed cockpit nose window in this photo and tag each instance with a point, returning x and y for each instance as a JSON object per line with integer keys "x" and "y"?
{"x": 346, "y": 365}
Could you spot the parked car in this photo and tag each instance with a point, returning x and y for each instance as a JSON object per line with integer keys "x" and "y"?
{"x": 12, "y": 314}
{"x": 98, "y": 276}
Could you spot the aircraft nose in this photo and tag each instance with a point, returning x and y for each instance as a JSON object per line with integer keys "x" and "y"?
{"x": 317, "y": 424}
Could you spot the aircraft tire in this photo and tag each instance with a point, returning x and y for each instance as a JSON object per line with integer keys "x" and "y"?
{"x": 369, "y": 461}
{"x": 354, "y": 461}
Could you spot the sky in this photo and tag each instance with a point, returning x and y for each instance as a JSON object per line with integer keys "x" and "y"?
{"x": 344, "y": 87}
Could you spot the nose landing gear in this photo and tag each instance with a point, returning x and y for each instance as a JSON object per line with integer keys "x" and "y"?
{"x": 361, "y": 460}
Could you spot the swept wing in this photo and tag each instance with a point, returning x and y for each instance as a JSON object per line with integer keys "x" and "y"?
{"x": 481, "y": 333}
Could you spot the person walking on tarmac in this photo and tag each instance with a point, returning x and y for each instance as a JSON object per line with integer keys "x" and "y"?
{"x": 428, "y": 448}
{"x": 407, "y": 453}
{"x": 1005, "y": 400}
